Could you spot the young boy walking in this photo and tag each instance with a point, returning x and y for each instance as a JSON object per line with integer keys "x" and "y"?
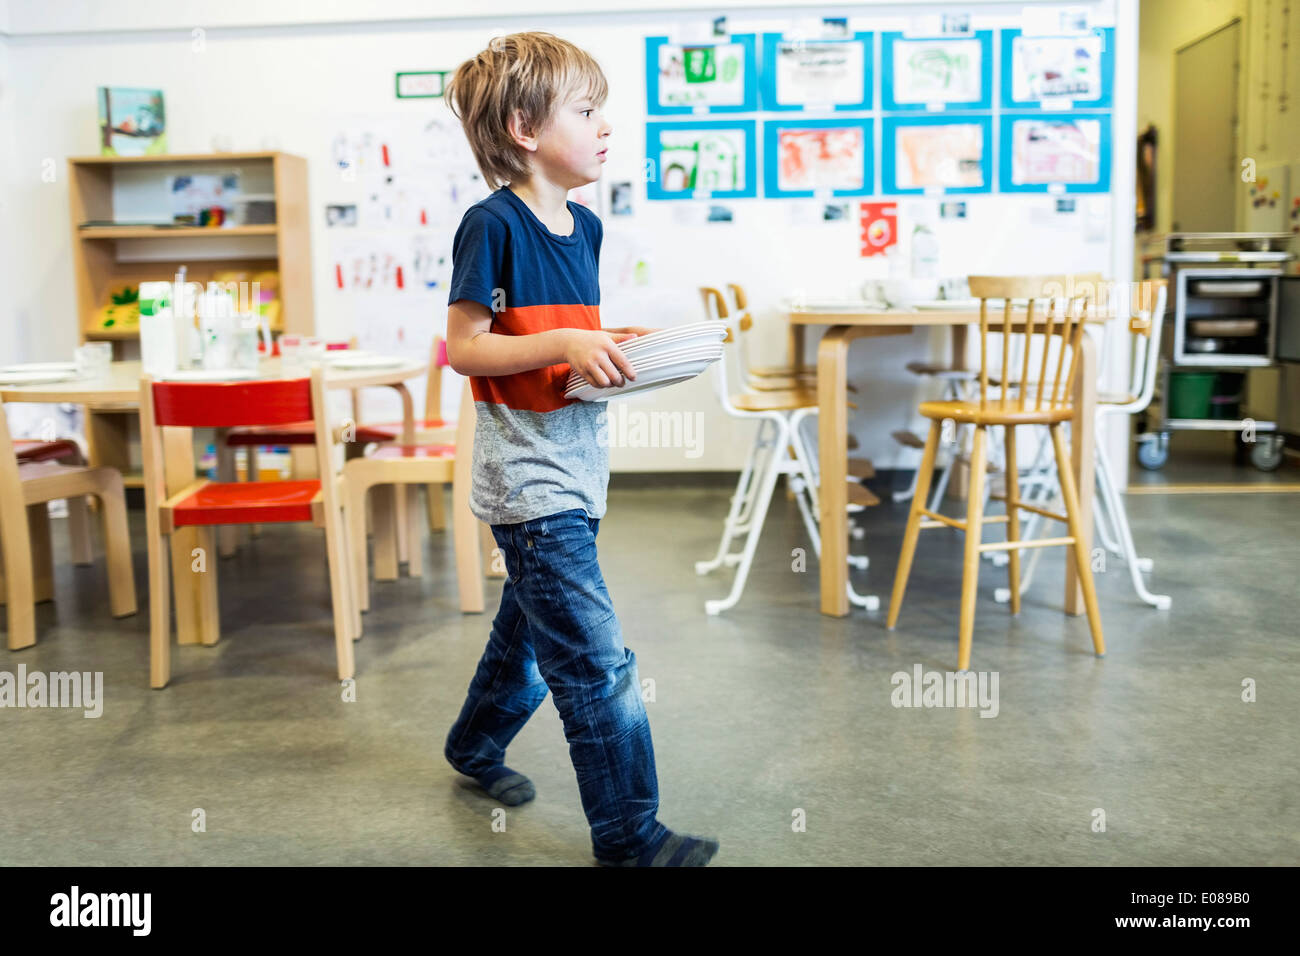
{"x": 525, "y": 310}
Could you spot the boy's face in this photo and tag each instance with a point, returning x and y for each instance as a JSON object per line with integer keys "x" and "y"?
{"x": 571, "y": 150}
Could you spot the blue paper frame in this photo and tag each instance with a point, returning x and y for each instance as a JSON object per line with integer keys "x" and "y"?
{"x": 889, "y": 39}
{"x": 767, "y": 73}
{"x": 889, "y": 174}
{"x": 652, "y": 150}
{"x": 1004, "y": 149}
{"x": 771, "y": 156}
{"x": 750, "y": 105}
{"x": 1107, "y": 99}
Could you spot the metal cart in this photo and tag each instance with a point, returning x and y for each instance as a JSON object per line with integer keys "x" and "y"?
{"x": 1224, "y": 299}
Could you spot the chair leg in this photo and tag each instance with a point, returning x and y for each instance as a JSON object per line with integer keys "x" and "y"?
{"x": 468, "y": 536}
{"x": 755, "y": 524}
{"x": 744, "y": 488}
{"x": 913, "y": 523}
{"x": 339, "y": 585}
{"x": 15, "y": 545}
{"x": 348, "y": 566}
{"x": 227, "y": 535}
{"x": 437, "y": 507}
{"x": 414, "y": 540}
{"x": 383, "y": 501}
{"x": 83, "y": 553}
{"x": 356, "y": 514}
{"x": 160, "y": 601}
{"x": 974, "y": 534}
{"x": 42, "y": 552}
{"x": 1115, "y": 505}
{"x": 206, "y": 539}
{"x": 252, "y": 471}
{"x": 1012, "y": 472}
{"x": 117, "y": 547}
{"x": 1082, "y": 560}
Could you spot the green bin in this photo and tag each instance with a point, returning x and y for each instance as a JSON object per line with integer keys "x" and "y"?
{"x": 1190, "y": 393}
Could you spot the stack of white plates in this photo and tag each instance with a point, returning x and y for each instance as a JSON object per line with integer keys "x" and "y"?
{"x": 38, "y": 373}
{"x": 659, "y": 359}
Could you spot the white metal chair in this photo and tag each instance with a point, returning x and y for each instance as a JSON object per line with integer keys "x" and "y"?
{"x": 1143, "y": 319}
{"x": 778, "y": 449}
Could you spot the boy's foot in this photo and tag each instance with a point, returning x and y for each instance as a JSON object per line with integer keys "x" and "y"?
{"x": 674, "y": 849}
{"x": 509, "y": 786}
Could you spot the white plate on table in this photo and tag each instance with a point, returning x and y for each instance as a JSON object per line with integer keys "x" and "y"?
{"x": 358, "y": 363}
{"x": 658, "y": 375}
{"x": 35, "y": 377}
{"x": 948, "y": 305}
{"x": 40, "y": 367}
{"x": 345, "y": 355}
{"x": 209, "y": 375}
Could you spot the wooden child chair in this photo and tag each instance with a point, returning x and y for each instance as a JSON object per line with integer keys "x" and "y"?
{"x": 1044, "y": 400}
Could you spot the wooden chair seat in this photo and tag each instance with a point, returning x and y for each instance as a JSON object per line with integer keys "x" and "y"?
{"x": 244, "y": 502}
{"x": 994, "y": 413}
{"x": 777, "y": 401}
{"x": 941, "y": 371}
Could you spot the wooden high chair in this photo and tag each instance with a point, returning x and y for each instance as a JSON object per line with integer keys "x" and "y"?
{"x": 1043, "y": 400}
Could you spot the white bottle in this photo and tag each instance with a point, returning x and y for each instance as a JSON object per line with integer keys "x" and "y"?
{"x": 158, "y": 343}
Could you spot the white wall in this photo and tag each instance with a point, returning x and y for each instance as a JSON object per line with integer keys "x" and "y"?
{"x": 289, "y": 85}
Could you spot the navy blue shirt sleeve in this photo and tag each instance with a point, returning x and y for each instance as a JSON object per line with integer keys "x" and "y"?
{"x": 478, "y": 255}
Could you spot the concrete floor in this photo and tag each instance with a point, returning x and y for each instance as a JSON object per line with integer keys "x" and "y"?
{"x": 764, "y": 710}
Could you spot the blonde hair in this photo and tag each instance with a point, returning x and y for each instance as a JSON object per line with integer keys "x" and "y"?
{"x": 527, "y": 72}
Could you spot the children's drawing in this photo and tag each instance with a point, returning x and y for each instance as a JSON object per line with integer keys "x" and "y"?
{"x": 937, "y": 71}
{"x": 819, "y": 72}
{"x": 702, "y": 75}
{"x": 948, "y": 155}
{"x": 825, "y": 158}
{"x": 1045, "y": 67}
{"x": 1055, "y": 151}
{"x": 711, "y": 160}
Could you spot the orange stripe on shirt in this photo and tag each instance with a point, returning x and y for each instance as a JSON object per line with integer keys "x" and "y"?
{"x": 542, "y": 389}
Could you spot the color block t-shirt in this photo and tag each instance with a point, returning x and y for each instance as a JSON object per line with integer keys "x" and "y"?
{"x": 536, "y": 453}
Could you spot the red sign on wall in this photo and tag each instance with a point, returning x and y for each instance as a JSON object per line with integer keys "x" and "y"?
{"x": 879, "y": 226}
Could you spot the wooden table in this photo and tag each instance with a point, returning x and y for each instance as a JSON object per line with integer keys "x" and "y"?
{"x": 197, "y": 612}
{"x": 852, "y": 322}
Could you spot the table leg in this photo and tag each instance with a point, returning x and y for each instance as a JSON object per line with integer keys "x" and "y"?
{"x": 833, "y": 496}
{"x": 795, "y": 348}
{"x": 1083, "y": 461}
{"x": 198, "y": 619}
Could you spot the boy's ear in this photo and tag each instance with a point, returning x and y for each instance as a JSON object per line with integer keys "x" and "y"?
{"x": 521, "y": 133}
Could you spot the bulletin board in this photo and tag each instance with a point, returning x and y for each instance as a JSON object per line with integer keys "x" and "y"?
{"x": 827, "y": 74}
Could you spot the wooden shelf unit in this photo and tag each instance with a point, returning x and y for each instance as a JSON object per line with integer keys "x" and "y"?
{"x": 108, "y": 258}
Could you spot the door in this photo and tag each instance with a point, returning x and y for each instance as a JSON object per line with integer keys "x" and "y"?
{"x": 1206, "y": 160}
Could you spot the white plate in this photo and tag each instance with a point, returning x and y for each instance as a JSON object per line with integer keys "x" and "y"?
{"x": 704, "y": 330}
{"x": 707, "y": 353}
{"x": 361, "y": 362}
{"x": 40, "y": 367}
{"x": 948, "y": 305}
{"x": 343, "y": 355}
{"x": 209, "y": 375}
{"x": 686, "y": 342}
{"x": 670, "y": 373}
{"x": 35, "y": 378}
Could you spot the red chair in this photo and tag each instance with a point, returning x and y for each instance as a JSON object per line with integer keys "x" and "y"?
{"x": 204, "y": 504}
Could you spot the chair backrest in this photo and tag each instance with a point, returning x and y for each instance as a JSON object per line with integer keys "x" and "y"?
{"x": 433, "y": 386}
{"x": 1056, "y": 310}
{"x": 231, "y": 404}
{"x": 1144, "y": 315}
{"x": 227, "y": 405}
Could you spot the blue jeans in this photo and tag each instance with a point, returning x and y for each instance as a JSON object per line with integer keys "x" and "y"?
{"x": 556, "y": 629}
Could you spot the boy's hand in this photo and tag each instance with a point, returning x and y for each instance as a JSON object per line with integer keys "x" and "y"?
{"x": 634, "y": 329}
{"x": 597, "y": 358}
